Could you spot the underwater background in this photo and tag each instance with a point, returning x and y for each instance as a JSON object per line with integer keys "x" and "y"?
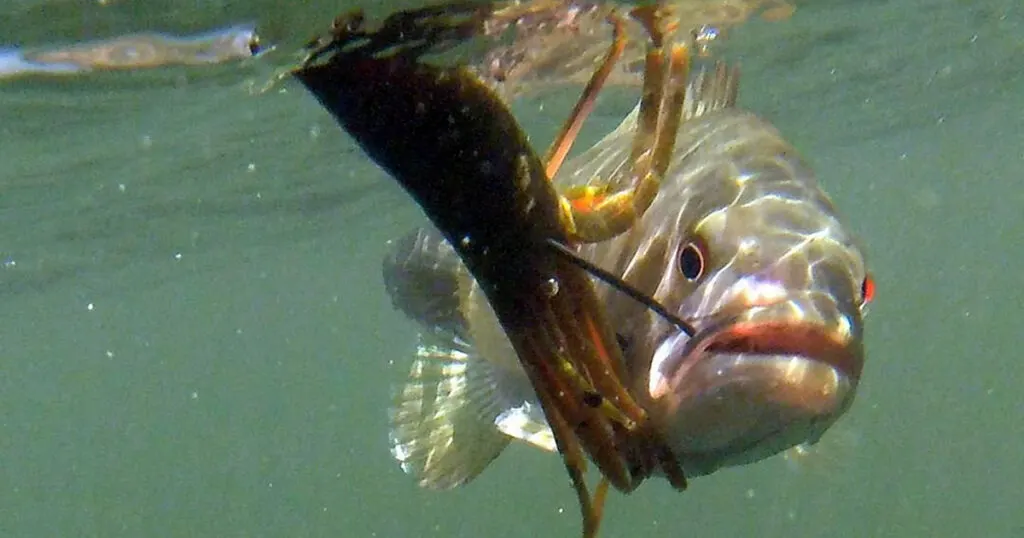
{"x": 195, "y": 340}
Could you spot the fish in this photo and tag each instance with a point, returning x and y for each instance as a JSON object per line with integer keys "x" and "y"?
{"x": 740, "y": 241}
{"x": 508, "y": 289}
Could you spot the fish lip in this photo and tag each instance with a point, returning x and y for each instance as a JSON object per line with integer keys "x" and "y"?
{"x": 757, "y": 335}
{"x": 808, "y": 339}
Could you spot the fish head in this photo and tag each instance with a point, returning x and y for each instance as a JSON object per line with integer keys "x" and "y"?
{"x": 775, "y": 289}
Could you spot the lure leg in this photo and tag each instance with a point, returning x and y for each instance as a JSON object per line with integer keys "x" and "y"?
{"x": 568, "y": 419}
{"x": 585, "y": 105}
{"x": 591, "y": 213}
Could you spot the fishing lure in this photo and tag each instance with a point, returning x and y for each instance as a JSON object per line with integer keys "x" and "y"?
{"x": 452, "y": 144}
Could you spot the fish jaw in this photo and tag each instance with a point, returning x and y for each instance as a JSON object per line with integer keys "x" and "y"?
{"x": 756, "y": 383}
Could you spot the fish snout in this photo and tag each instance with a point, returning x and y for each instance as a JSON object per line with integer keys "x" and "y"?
{"x": 758, "y": 382}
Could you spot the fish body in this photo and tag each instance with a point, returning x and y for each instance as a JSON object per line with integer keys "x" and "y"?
{"x": 740, "y": 241}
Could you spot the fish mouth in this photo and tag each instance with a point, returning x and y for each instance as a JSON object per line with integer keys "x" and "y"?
{"x": 755, "y": 384}
{"x": 784, "y": 329}
{"x": 815, "y": 341}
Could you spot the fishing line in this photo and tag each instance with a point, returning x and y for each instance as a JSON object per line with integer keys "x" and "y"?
{"x": 621, "y": 285}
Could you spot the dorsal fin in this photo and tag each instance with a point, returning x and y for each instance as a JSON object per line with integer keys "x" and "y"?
{"x": 712, "y": 88}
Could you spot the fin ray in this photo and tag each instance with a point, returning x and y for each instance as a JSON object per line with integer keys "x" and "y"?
{"x": 425, "y": 278}
{"x": 443, "y": 420}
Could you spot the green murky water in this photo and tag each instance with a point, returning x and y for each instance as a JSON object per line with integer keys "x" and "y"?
{"x": 194, "y": 340}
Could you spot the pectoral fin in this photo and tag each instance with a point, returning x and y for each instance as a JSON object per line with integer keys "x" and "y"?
{"x": 425, "y": 279}
{"x": 443, "y": 420}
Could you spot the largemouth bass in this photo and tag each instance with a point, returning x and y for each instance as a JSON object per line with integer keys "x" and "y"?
{"x": 740, "y": 241}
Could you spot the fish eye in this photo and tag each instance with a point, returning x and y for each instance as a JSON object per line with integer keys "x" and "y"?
{"x": 867, "y": 290}
{"x": 691, "y": 261}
